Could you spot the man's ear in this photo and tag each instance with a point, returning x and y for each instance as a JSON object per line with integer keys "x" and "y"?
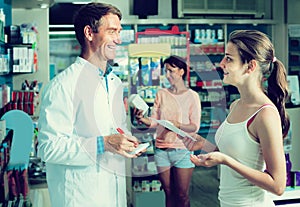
{"x": 88, "y": 33}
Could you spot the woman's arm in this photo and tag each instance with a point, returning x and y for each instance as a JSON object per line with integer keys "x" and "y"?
{"x": 268, "y": 129}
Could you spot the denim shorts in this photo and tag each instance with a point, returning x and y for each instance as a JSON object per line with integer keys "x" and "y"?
{"x": 179, "y": 158}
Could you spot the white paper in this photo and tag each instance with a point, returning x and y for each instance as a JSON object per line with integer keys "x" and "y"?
{"x": 140, "y": 148}
{"x": 169, "y": 125}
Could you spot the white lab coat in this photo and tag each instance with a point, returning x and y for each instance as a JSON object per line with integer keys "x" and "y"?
{"x": 75, "y": 109}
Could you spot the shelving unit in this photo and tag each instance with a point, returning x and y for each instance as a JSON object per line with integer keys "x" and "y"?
{"x": 19, "y": 58}
{"x": 145, "y": 79}
{"x": 63, "y": 51}
{"x": 294, "y": 49}
{"x": 204, "y": 58}
{"x": 207, "y": 50}
{"x": 212, "y": 101}
{"x": 5, "y": 76}
{"x": 23, "y": 58}
{"x": 214, "y": 105}
{"x": 4, "y": 60}
{"x": 179, "y": 41}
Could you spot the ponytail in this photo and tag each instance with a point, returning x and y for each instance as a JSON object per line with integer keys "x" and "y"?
{"x": 277, "y": 91}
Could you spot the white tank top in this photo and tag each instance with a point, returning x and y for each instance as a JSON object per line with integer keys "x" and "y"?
{"x": 235, "y": 141}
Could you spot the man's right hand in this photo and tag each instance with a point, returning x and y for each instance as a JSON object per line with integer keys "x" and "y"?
{"x": 121, "y": 144}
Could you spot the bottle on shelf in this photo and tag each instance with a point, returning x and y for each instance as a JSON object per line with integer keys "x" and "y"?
{"x": 197, "y": 36}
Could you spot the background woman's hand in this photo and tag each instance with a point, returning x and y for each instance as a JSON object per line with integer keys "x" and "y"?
{"x": 200, "y": 144}
{"x": 138, "y": 113}
{"x": 141, "y": 119}
{"x": 191, "y": 144}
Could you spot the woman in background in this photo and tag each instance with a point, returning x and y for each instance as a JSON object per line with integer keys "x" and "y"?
{"x": 181, "y": 106}
{"x": 250, "y": 140}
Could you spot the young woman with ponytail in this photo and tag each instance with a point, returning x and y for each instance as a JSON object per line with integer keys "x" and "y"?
{"x": 250, "y": 141}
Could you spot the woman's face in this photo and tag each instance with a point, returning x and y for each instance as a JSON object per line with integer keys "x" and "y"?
{"x": 108, "y": 37}
{"x": 232, "y": 65}
{"x": 173, "y": 74}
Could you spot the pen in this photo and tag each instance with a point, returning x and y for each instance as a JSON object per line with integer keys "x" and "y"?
{"x": 120, "y": 131}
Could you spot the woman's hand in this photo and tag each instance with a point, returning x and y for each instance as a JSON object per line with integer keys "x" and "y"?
{"x": 191, "y": 144}
{"x": 209, "y": 159}
{"x": 138, "y": 114}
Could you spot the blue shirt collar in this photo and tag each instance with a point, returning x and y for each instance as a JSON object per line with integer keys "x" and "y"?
{"x": 107, "y": 71}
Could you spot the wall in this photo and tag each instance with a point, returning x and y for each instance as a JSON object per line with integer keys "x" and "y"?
{"x": 164, "y": 8}
{"x": 294, "y": 114}
{"x": 280, "y": 32}
{"x": 293, "y": 12}
{"x": 41, "y": 18}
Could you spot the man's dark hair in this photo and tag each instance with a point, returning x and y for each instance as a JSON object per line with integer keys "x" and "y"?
{"x": 91, "y": 14}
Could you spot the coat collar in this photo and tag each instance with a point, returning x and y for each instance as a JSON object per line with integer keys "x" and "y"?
{"x": 100, "y": 71}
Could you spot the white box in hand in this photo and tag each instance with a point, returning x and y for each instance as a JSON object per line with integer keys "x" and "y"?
{"x": 136, "y": 101}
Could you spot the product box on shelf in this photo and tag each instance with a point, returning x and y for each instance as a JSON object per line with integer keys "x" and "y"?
{"x": 26, "y": 101}
{"x": 145, "y": 69}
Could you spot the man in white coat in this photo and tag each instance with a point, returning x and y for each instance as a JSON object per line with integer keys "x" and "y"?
{"x": 81, "y": 108}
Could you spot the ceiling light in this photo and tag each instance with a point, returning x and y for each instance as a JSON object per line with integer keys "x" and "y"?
{"x": 81, "y": 2}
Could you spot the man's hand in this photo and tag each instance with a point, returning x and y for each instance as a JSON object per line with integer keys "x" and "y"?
{"x": 121, "y": 144}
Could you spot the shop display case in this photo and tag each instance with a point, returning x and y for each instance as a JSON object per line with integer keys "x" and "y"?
{"x": 291, "y": 143}
{"x": 205, "y": 76}
{"x": 63, "y": 51}
{"x": 294, "y": 49}
{"x": 17, "y": 56}
{"x": 145, "y": 79}
{"x": 179, "y": 41}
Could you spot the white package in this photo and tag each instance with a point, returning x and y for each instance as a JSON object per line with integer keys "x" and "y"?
{"x": 136, "y": 101}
